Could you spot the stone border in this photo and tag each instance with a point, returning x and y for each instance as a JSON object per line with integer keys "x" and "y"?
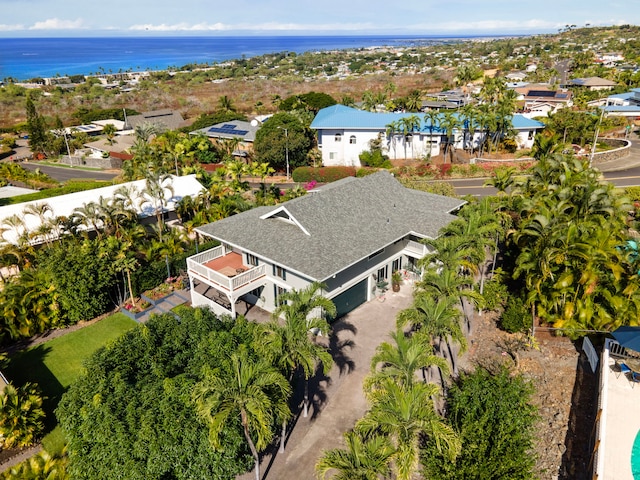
{"x": 623, "y": 150}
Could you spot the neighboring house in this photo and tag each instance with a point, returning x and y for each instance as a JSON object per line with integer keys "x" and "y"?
{"x": 119, "y": 147}
{"x": 348, "y": 235}
{"x": 345, "y": 132}
{"x": 592, "y": 83}
{"x": 540, "y": 101}
{"x": 163, "y": 119}
{"x": 243, "y": 132}
{"x": 516, "y": 76}
{"x": 63, "y": 206}
{"x": 624, "y": 104}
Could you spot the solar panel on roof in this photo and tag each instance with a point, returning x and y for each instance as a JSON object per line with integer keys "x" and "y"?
{"x": 541, "y": 93}
{"x": 228, "y": 131}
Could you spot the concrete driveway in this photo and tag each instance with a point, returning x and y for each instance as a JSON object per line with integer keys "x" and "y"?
{"x": 338, "y": 400}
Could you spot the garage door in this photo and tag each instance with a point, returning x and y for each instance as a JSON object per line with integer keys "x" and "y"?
{"x": 351, "y": 298}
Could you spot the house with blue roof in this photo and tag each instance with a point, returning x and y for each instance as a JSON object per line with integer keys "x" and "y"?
{"x": 624, "y": 104}
{"x": 344, "y": 133}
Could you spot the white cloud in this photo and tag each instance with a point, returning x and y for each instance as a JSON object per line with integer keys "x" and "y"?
{"x": 271, "y": 26}
{"x": 11, "y": 28}
{"x": 58, "y": 24}
{"x": 490, "y": 25}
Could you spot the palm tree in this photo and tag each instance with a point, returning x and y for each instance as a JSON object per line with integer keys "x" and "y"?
{"x": 303, "y": 312}
{"x": 437, "y": 318}
{"x": 405, "y": 415}
{"x": 401, "y": 361}
{"x": 391, "y": 130}
{"x": 246, "y": 388}
{"x": 434, "y": 124}
{"x": 226, "y": 104}
{"x": 157, "y": 185}
{"x": 449, "y": 123}
{"x": 365, "y": 458}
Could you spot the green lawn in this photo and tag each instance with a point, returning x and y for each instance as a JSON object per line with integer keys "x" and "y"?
{"x": 55, "y": 364}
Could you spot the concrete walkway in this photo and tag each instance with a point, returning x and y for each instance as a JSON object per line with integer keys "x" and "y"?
{"x": 178, "y": 297}
{"x": 337, "y": 399}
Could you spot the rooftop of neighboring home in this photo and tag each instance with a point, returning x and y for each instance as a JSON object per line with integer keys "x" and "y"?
{"x": 119, "y": 143}
{"x": 336, "y": 226}
{"x": 64, "y": 205}
{"x": 342, "y": 117}
{"x": 592, "y": 82}
{"x": 169, "y": 119}
{"x": 245, "y": 131}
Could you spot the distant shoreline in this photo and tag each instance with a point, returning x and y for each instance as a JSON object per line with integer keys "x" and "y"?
{"x": 49, "y": 57}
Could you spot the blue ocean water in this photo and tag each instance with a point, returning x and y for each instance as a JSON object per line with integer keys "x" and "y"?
{"x": 24, "y": 58}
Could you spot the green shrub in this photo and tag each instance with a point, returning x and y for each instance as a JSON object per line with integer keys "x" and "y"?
{"x": 633, "y": 193}
{"x": 322, "y": 174}
{"x": 364, "y": 171}
{"x": 495, "y": 294}
{"x": 516, "y": 316}
{"x": 374, "y": 158}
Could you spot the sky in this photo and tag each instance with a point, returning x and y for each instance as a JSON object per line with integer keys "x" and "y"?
{"x": 59, "y": 18}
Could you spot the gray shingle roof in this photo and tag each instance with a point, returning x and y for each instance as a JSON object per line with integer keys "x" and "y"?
{"x": 345, "y": 222}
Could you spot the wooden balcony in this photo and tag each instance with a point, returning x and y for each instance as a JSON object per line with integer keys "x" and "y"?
{"x": 224, "y": 269}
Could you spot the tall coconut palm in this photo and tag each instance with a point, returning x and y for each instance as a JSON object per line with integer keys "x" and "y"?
{"x": 405, "y": 415}
{"x": 364, "y": 458}
{"x": 246, "y": 388}
{"x": 433, "y": 125}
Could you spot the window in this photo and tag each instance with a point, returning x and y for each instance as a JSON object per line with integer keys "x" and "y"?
{"x": 352, "y": 139}
{"x": 277, "y": 293}
{"x": 257, "y": 292}
{"x": 333, "y": 155}
{"x": 530, "y": 135}
{"x": 408, "y": 138}
{"x": 397, "y": 264}
{"x": 279, "y": 272}
{"x": 252, "y": 260}
{"x": 338, "y": 137}
{"x": 382, "y": 274}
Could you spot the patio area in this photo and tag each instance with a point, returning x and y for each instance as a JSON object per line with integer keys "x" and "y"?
{"x": 229, "y": 264}
{"x": 619, "y": 423}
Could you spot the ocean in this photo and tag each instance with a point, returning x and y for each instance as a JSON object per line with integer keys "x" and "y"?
{"x": 26, "y": 58}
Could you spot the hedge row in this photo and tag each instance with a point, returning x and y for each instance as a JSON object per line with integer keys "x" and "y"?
{"x": 322, "y": 174}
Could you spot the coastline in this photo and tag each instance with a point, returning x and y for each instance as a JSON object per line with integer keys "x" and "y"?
{"x": 40, "y": 57}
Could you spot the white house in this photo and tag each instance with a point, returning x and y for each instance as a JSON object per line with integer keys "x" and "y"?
{"x": 63, "y": 206}
{"x": 348, "y": 235}
{"x": 345, "y": 132}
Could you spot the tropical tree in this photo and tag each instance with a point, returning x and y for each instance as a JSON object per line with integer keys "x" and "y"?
{"x": 21, "y": 415}
{"x": 157, "y": 185}
{"x": 303, "y": 312}
{"x": 247, "y": 388}
{"x": 439, "y": 319}
{"x": 449, "y": 123}
{"x": 401, "y": 361}
{"x": 406, "y": 416}
{"x": 434, "y": 124}
{"x": 109, "y": 131}
{"x": 364, "y": 458}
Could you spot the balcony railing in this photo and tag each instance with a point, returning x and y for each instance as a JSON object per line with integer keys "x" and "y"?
{"x": 195, "y": 264}
{"x": 416, "y": 248}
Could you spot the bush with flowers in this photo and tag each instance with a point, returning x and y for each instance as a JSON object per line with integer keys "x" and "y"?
{"x": 140, "y": 306}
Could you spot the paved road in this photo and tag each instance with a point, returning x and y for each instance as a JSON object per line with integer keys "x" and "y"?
{"x": 63, "y": 174}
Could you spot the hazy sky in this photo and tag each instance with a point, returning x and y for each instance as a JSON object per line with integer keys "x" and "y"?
{"x": 294, "y": 17}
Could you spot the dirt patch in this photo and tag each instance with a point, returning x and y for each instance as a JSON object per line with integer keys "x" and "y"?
{"x": 565, "y": 395}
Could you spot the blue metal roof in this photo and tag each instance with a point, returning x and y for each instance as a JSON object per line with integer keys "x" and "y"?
{"x": 340, "y": 117}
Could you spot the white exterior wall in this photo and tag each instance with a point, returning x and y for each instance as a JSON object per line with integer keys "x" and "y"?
{"x": 523, "y": 140}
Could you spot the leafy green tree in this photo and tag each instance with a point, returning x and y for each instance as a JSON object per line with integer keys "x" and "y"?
{"x": 365, "y": 458}
{"x": 272, "y": 142}
{"x": 131, "y": 414}
{"x": 495, "y": 419}
{"x": 81, "y": 276}
{"x": 21, "y": 415}
{"x": 312, "y": 101}
{"x": 37, "y": 128}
